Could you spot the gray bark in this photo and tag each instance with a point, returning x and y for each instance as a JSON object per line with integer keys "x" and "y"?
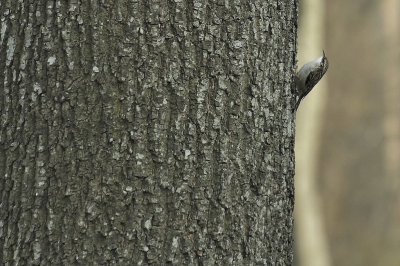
{"x": 147, "y": 132}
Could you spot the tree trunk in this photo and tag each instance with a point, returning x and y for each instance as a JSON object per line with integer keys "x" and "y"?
{"x": 147, "y": 132}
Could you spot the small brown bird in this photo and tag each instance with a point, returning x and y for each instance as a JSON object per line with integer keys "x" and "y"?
{"x": 309, "y": 75}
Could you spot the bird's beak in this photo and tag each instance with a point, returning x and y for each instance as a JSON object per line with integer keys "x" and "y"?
{"x": 323, "y": 52}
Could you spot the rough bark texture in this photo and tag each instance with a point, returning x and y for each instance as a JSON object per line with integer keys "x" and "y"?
{"x": 147, "y": 132}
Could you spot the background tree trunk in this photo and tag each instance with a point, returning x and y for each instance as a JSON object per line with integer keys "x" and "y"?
{"x": 149, "y": 132}
{"x": 359, "y": 157}
{"x": 311, "y": 239}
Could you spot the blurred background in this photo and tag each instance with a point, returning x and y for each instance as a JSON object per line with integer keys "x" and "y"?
{"x": 347, "y": 208}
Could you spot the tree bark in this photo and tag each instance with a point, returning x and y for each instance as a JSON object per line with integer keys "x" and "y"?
{"x": 147, "y": 132}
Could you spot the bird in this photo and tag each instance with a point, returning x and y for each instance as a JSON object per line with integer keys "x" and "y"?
{"x": 309, "y": 75}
